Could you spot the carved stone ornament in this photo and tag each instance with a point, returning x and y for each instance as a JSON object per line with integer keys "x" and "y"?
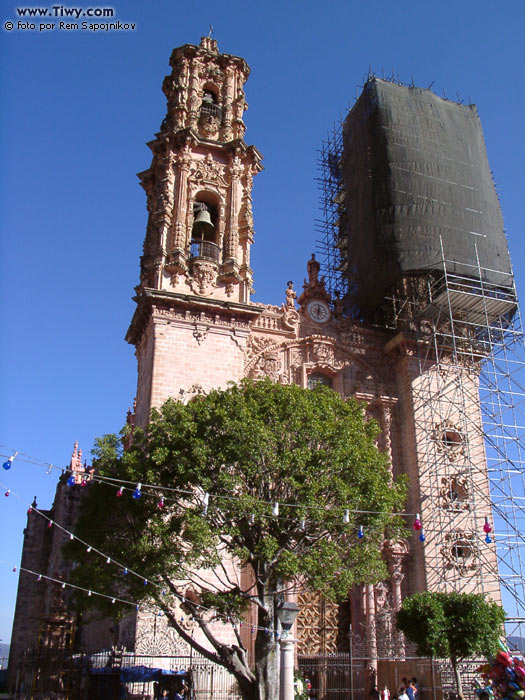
{"x": 255, "y": 345}
{"x": 323, "y": 353}
{"x": 272, "y": 364}
{"x": 177, "y": 277}
{"x": 200, "y": 332}
{"x": 236, "y": 167}
{"x": 290, "y": 319}
{"x": 455, "y": 493}
{"x": 449, "y": 439}
{"x": 156, "y": 638}
{"x": 186, "y": 395}
{"x": 207, "y": 169}
{"x": 204, "y": 275}
{"x": 382, "y": 595}
{"x": 269, "y": 364}
{"x": 395, "y": 552}
{"x": 459, "y": 553}
{"x": 297, "y": 358}
{"x": 385, "y": 628}
{"x": 209, "y": 125}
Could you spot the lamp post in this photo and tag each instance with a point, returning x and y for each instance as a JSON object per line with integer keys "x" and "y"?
{"x": 287, "y": 612}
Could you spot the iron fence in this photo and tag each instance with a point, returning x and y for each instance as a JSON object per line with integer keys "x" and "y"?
{"x": 340, "y": 677}
{"x": 49, "y": 674}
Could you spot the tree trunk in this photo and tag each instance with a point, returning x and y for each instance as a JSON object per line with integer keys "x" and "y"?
{"x": 248, "y": 688}
{"x": 457, "y": 676}
{"x": 267, "y": 648}
{"x": 266, "y": 665}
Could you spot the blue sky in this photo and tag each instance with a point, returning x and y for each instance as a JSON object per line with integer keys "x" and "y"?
{"x": 78, "y": 108}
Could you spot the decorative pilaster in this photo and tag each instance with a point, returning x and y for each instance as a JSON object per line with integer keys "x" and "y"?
{"x": 385, "y": 420}
{"x": 371, "y": 641}
{"x": 395, "y": 553}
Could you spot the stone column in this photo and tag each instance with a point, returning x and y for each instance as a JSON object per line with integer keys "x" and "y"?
{"x": 194, "y": 95}
{"x": 232, "y": 234}
{"x": 181, "y": 204}
{"x": 227, "y": 99}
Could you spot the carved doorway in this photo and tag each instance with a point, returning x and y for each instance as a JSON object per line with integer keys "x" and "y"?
{"x": 322, "y": 625}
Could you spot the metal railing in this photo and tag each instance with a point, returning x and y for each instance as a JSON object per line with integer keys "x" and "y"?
{"x": 339, "y": 677}
{"x": 60, "y": 675}
{"x": 208, "y": 109}
{"x": 205, "y": 249}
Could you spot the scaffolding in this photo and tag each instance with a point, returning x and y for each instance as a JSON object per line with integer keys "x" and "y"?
{"x": 330, "y": 245}
{"x": 469, "y": 408}
{"x": 468, "y": 394}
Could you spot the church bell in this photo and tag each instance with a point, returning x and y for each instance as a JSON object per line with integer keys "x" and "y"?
{"x": 202, "y": 225}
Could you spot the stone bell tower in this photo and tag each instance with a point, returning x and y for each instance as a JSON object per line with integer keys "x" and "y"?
{"x": 193, "y": 310}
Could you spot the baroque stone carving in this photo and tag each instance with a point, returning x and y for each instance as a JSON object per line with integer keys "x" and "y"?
{"x": 449, "y": 439}
{"x": 255, "y": 345}
{"x": 204, "y": 275}
{"x": 156, "y": 638}
{"x": 271, "y": 365}
{"x": 186, "y": 395}
{"x": 455, "y": 493}
{"x": 208, "y": 169}
{"x": 323, "y": 353}
{"x": 291, "y": 296}
{"x": 290, "y": 319}
{"x": 177, "y": 277}
{"x": 458, "y": 553}
{"x": 386, "y": 644}
{"x": 200, "y": 332}
{"x": 209, "y": 125}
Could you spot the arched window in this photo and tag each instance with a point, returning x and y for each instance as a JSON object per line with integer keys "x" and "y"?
{"x": 204, "y": 231}
{"x": 209, "y": 105}
{"x": 316, "y": 378}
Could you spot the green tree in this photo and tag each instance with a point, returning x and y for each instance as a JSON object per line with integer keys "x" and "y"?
{"x": 249, "y": 447}
{"x": 452, "y": 625}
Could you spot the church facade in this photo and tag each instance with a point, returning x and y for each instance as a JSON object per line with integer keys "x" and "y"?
{"x": 195, "y": 329}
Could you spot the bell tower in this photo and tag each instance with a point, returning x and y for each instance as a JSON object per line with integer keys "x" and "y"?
{"x": 195, "y": 270}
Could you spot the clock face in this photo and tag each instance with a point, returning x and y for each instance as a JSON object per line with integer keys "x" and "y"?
{"x": 318, "y": 311}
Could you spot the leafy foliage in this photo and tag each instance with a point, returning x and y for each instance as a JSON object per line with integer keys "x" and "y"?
{"x": 248, "y": 447}
{"x": 452, "y": 625}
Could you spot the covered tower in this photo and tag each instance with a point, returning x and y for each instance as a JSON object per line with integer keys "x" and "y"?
{"x": 195, "y": 281}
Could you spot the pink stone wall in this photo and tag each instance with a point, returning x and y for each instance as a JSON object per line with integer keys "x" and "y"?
{"x": 181, "y": 357}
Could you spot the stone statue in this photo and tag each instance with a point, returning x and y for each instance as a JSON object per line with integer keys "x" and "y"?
{"x": 312, "y": 268}
{"x": 291, "y": 296}
{"x": 338, "y": 304}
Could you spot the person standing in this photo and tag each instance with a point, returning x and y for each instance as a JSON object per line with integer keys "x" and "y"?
{"x": 412, "y": 690}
